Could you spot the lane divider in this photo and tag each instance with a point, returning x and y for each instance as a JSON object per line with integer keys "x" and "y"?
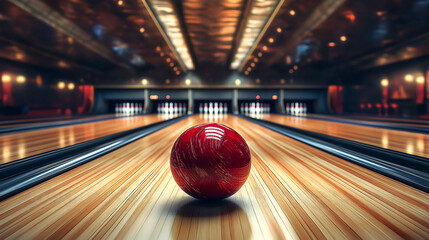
{"x": 22, "y": 174}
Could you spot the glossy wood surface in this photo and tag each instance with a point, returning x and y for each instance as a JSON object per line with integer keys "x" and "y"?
{"x": 293, "y": 192}
{"x": 24, "y": 122}
{"x": 20, "y": 145}
{"x": 407, "y": 142}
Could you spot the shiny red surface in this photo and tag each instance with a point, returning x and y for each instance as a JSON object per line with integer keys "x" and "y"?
{"x": 210, "y": 161}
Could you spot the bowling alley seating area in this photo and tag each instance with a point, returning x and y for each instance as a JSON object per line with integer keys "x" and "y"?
{"x": 202, "y": 119}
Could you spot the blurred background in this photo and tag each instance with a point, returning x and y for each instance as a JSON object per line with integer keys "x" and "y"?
{"x": 321, "y": 56}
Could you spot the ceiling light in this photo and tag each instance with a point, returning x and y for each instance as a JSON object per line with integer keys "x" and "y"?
{"x": 260, "y": 54}
{"x": 409, "y": 78}
{"x": 252, "y": 64}
{"x": 420, "y": 80}
{"x": 144, "y": 81}
{"x": 20, "y": 79}
{"x": 279, "y": 30}
{"x": 70, "y": 86}
{"x": 5, "y": 78}
{"x": 292, "y": 12}
{"x": 188, "y": 81}
{"x": 166, "y": 18}
{"x": 142, "y": 30}
{"x": 120, "y": 2}
{"x": 384, "y": 82}
{"x": 260, "y": 17}
{"x": 271, "y": 40}
{"x": 237, "y": 82}
{"x": 331, "y": 44}
{"x": 61, "y": 85}
{"x": 343, "y": 38}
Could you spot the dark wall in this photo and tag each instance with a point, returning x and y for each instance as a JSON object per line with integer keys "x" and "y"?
{"x": 364, "y": 88}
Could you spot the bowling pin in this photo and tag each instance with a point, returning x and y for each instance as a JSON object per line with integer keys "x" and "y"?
{"x": 221, "y": 108}
{"x": 200, "y": 109}
{"x": 216, "y": 108}
{"x": 305, "y": 109}
{"x": 175, "y": 108}
{"x": 225, "y": 108}
{"x": 296, "y": 108}
{"x": 246, "y": 108}
{"x": 210, "y": 108}
{"x": 205, "y": 108}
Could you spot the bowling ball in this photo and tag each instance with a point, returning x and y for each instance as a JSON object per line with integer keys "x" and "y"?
{"x": 210, "y": 161}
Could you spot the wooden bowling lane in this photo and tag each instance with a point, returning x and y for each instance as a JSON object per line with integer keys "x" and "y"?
{"x": 20, "y": 145}
{"x": 407, "y": 142}
{"x": 293, "y": 191}
{"x": 33, "y": 121}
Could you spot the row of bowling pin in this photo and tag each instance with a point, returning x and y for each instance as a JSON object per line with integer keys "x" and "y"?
{"x": 128, "y": 108}
{"x": 296, "y": 108}
{"x": 213, "y": 108}
{"x": 171, "y": 108}
{"x": 255, "y": 108}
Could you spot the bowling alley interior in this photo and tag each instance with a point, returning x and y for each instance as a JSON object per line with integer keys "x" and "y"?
{"x": 214, "y": 119}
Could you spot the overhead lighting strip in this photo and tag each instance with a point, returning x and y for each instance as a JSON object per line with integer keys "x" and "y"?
{"x": 261, "y": 16}
{"x": 166, "y": 19}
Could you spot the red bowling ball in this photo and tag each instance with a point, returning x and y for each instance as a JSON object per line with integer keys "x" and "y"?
{"x": 210, "y": 161}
